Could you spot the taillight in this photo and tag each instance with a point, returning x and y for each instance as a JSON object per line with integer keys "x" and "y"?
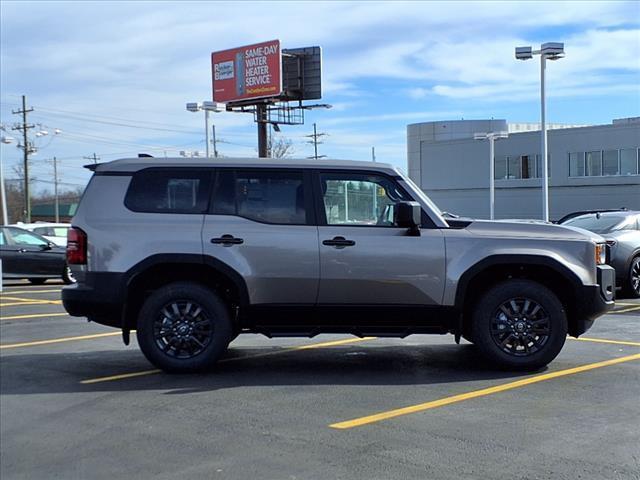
{"x": 76, "y": 246}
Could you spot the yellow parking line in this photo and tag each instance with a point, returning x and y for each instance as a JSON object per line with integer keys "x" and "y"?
{"x": 27, "y": 301}
{"x": 625, "y": 310}
{"x": 234, "y": 359}
{"x": 120, "y": 377}
{"x": 604, "y": 340}
{"x": 15, "y": 304}
{"x": 358, "y": 422}
{"x": 18, "y": 292}
{"x": 35, "y": 315}
{"x": 58, "y": 340}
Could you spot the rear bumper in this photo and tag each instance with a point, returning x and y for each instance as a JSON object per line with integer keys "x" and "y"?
{"x": 100, "y": 298}
{"x": 594, "y": 300}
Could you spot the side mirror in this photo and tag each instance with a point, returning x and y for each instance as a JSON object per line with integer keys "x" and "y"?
{"x": 408, "y": 215}
{"x": 46, "y": 246}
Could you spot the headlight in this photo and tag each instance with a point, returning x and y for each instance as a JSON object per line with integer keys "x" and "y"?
{"x": 601, "y": 253}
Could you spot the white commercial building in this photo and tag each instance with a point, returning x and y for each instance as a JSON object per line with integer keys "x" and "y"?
{"x": 590, "y": 167}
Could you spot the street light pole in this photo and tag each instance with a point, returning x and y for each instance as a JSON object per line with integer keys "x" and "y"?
{"x": 543, "y": 141}
{"x": 491, "y": 137}
{"x": 206, "y": 129}
{"x": 492, "y": 180}
{"x": 548, "y": 51}
{"x": 207, "y": 106}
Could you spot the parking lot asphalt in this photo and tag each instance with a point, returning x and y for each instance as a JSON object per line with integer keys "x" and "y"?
{"x": 75, "y": 403}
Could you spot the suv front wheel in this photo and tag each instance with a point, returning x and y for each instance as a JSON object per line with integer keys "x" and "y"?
{"x": 519, "y": 324}
{"x": 184, "y": 327}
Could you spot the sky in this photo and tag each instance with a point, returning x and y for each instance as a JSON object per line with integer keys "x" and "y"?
{"x": 114, "y": 77}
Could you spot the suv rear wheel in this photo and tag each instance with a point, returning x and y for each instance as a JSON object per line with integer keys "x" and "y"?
{"x": 519, "y": 324}
{"x": 184, "y": 327}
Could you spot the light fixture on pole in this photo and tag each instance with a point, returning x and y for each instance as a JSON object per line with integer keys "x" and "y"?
{"x": 492, "y": 137}
{"x": 548, "y": 51}
{"x": 207, "y": 106}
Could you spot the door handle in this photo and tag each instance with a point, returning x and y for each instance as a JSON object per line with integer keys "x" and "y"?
{"x": 339, "y": 242}
{"x": 227, "y": 240}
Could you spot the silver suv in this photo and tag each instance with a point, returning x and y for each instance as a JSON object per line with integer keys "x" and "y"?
{"x": 191, "y": 253}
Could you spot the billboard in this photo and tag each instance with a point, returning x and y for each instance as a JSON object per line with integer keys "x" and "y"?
{"x": 249, "y": 72}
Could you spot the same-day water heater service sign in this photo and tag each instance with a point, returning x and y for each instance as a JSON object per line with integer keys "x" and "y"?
{"x": 247, "y": 72}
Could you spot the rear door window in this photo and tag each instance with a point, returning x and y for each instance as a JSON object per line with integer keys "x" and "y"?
{"x": 276, "y": 197}
{"x": 169, "y": 191}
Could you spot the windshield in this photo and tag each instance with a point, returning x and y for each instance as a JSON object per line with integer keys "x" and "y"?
{"x": 422, "y": 195}
{"x": 596, "y": 223}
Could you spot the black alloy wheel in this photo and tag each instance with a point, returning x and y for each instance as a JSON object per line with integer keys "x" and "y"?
{"x": 634, "y": 277}
{"x": 519, "y": 324}
{"x": 184, "y": 327}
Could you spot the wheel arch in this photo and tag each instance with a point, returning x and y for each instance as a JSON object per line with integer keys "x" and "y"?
{"x": 547, "y": 271}
{"x": 161, "y": 269}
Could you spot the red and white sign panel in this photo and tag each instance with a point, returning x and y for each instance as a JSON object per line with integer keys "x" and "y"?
{"x": 247, "y": 72}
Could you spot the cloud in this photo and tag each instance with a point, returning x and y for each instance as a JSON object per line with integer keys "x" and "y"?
{"x": 385, "y": 63}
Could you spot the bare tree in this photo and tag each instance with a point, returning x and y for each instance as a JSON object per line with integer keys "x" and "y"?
{"x": 280, "y": 147}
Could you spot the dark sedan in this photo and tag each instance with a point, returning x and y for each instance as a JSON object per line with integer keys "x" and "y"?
{"x": 621, "y": 229}
{"x": 29, "y": 255}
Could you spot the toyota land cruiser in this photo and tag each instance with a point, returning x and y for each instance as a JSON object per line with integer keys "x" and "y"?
{"x": 191, "y": 253}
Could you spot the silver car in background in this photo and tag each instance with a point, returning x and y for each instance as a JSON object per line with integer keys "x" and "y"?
{"x": 621, "y": 229}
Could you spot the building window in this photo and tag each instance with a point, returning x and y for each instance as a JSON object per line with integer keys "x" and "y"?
{"x": 593, "y": 162}
{"x": 513, "y": 164}
{"x": 528, "y": 165}
{"x": 500, "y": 170}
{"x": 576, "y": 164}
{"x": 629, "y": 161}
{"x": 610, "y": 162}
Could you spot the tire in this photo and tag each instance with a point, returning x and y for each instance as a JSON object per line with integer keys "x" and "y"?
{"x": 184, "y": 327}
{"x": 67, "y": 275}
{"x": 632, "y": 282}
{"x": 519, "y": 325}
{"x": 37, "y": 281}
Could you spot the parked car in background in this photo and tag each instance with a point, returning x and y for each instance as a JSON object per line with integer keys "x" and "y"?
{"x": 54, "y": 232}
{"x": 28, "y": 255}
{"x": 621, "y": 229}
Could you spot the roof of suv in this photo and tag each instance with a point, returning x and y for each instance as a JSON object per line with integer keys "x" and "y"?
{"x": 134, "y": 164}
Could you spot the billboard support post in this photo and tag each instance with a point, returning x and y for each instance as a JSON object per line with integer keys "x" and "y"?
{"x": 261, "y": 114}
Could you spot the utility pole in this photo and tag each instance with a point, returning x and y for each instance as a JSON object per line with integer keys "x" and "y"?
{"x": 55, "y": 188}
{"x": 373, "y": 154}
{"x": 25, "y": 146}
{"x": 215, "y": 144}
{"x": 315, "y": 142}
{"x": 93, "y": 157}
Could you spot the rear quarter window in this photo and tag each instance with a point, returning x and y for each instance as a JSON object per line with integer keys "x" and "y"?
{"x": 169, "y": 191}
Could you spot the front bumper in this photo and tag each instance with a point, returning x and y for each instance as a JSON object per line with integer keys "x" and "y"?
{"x": 594, "y": 300}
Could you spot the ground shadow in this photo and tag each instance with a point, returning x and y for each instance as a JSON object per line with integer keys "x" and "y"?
{"x": 356, "y": 364}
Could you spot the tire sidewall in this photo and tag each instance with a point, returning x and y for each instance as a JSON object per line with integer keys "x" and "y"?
{"x": 214, "y": 307}
{"x": 502, "y": 292}
{"x": 630, "y": 290}
{"x": 67, "y": 276}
